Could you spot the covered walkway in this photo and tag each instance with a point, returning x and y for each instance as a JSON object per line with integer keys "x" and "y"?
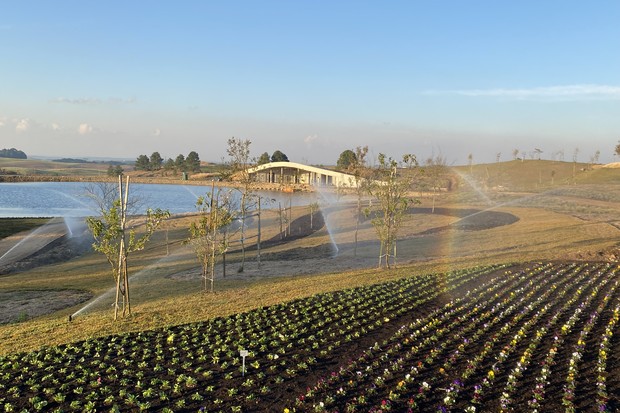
{"x": 291, "y": 173}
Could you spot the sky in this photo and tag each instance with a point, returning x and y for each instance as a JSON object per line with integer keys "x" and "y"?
{"x": 116, "y": 79}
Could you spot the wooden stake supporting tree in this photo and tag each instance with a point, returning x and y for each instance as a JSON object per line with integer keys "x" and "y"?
{"x": 110, "y": 235}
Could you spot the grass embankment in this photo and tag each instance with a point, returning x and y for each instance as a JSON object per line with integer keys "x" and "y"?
{"x": 160, "y": 300}
{"x": 537, "y": 175}
{"x": 12, "y": 226}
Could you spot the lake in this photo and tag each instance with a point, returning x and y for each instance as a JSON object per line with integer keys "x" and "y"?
{"x": 69, "y": 199}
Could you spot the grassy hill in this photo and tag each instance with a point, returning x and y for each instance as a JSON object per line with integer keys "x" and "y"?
{"x": 51, "y": 168}
{"x": 536, "y": 175}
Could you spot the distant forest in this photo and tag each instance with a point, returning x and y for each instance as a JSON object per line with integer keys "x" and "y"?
{"x": 12, "y": 153}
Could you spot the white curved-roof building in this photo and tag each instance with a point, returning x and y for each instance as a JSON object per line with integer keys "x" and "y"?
{"x": 291, "y": 173}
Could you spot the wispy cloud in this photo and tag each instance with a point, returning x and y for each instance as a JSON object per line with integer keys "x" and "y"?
{"x": 85, "y": 129}
{"x": 94, "y": 101}
{"x": 22, "y": 125}
{"x": 555, "y": 93}
{"x": 310, "y": 139}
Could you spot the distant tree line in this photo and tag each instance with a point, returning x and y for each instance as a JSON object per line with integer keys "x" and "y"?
{"x": 12, "y": 153}
{"x": 189, "y": 163}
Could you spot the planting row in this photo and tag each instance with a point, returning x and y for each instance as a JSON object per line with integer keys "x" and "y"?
{"x": 501, "y": 338}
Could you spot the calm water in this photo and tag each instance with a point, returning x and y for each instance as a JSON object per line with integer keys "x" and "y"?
{"x": 68, "y": 199}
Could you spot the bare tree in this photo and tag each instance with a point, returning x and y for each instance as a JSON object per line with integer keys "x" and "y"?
{"x": 391, "y": 189}
{"x": 575, "y": 155}
{"x": 359, "y": 170}
{"x": 537, "y": 153}
{"x": 104, "y": 194}
{"x": 515, "y": 154}
{"x": 436, "y": 171}
{"x": 314, "y": 207}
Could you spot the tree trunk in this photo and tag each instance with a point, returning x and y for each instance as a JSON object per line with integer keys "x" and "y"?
{"x": 258, "y": 236}
{"x": 118, "y": 290}
{"x": 243, "y": 206}
{"x": 280, "y": 215}
{"x": 126, "y": 275}
{"x": 357, "y": 224}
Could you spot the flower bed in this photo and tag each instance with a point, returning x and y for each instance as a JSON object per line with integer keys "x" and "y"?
{"x": 486, "y": 339}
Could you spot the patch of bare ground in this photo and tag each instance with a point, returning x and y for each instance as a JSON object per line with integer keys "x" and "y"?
{"x": 17, "y": 306}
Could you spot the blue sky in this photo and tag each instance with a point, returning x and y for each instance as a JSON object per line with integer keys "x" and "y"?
{"x": 120, "y": 79}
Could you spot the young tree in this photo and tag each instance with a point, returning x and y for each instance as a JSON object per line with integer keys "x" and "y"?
{"x": 239, "y": 161}
{"x": 205, "y": 234}
{"x": 314, "y": 207}
{"x": 537, "y": 152}
{"x": 391, "y": 191}
{"x": 436, "y": 171}
{"x": 575, "y": 157}
{"x": 111, "y": 239}
{"x": 359, "y": 170}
